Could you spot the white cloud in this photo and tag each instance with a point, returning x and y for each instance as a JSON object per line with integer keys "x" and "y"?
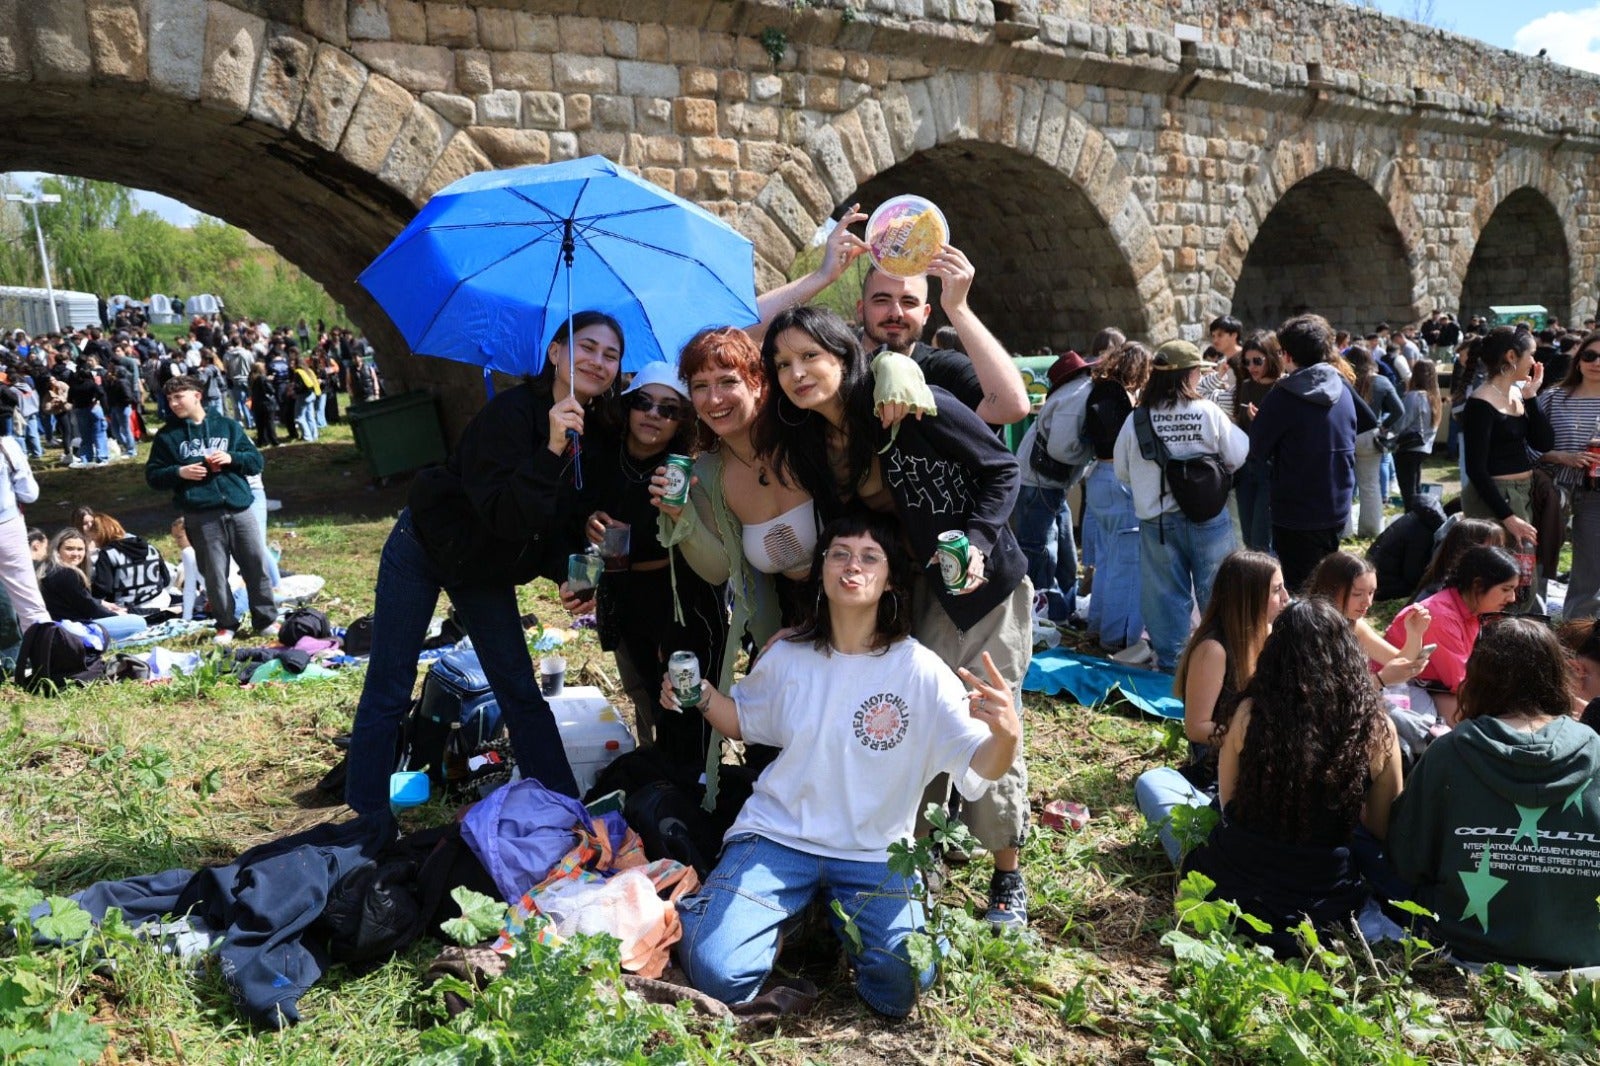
{"x": 1571, "y": 37}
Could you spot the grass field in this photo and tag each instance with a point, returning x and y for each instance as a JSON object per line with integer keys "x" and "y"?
{"x": 125, "y": 779}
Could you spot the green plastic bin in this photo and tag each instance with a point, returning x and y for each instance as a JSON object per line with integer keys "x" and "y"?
{"x": 398, "y": 434}
{"x": 1033, "y": 369}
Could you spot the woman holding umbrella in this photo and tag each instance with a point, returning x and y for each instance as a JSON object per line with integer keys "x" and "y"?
{"x": 498, "y": 514}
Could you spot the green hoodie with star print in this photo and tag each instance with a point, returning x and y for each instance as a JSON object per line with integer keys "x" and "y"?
{"x": 1498, "y": 831}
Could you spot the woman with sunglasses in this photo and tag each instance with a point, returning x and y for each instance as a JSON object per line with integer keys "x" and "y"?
{"x": 1497, "y": 825}
{"x": 1573, "y": 408}
{"x": 500, "y": 512}
{"x": 634, "y": 608}
{"x": 1263, "y": 365}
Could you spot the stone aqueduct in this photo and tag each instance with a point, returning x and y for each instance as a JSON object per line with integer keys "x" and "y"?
{"x": 1098, "y": 169}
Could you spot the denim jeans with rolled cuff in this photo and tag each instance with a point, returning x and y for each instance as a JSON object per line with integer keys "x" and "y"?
{"x": 1043, "y": 523}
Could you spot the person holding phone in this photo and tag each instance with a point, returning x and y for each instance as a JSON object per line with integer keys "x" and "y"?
{"x": 500, "y": 512}
{"x": 1350, "y": 583}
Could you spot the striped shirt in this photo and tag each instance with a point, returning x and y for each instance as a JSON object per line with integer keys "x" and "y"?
{"x": 1572, "y": 418}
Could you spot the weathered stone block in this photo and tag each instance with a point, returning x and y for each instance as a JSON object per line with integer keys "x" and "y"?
{"x": 771, "y": 242}
{"x": 595, "y": 74}
{"x": 827, "y": 154}
{"x": 699, "y": 81}
{"x": 513, "y": 148}
{"x": 473, "y": 72}
{"x": 752, "y": 122}
{"x": 418, "y": 67}
{"x": 379, "y": 113}
{"x": 783, "y": 207}
{"x": 658, "y": 150}
{"x": 456, "y": 110}
{"x": 503, "y": 107}
{"x": 543, "y": 110}
{"x": 734, "y": 86}
{"x": 713, "y": 152}
{"x": 613, "y": 145}
{"x": 497, "y": 29}
{"x": 853, "y": 138}
{"x": 281, "y": 76}
{"x": 563, "y": 145}
{"x": 368, "y": 20}
{"x": 694, "y": 116}
{"x": 613, "y": 112}
{"x": 451, "y": 25}
{"x": 766, "y": 88}
{"x": 327, "y": 20}
{"x": 415, "y": 149}
{"x": 876, "y": 129}
{"x": 460, "y": 157}
{"x": 331, "y": 95}
{"x": 650, "y": 43}
{"x": 581, "y": 35}
{"x": 14, "y": 63}
{"x": 408, "y": 21}
{"x": 580, "y": 110}
{"x": 537, "y": 33}
{"x": 58, "y": 39}
{"x": 803, "y": 182}
{"x": 521, "y": 70}
{"x": 646, "y": 79}
{"x": 234, "y": 41}
{"x": 117, "y": 40}
{"x": 177, "y": 47}
{"x": 747, "y": 184}
{"x": 621, "y": 40}
{"x": 653, "y": 116}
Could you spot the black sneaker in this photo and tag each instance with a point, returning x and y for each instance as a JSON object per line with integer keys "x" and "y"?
{"x": 1008, "y": 901}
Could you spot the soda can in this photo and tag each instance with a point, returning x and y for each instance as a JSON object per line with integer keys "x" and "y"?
{"x": 953, "y": 559}
{"x": 1062, "y": 815}
{"x": 684, "y": 671}
{"x": 679, "y": 470}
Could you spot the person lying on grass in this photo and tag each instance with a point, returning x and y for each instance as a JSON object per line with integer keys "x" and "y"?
{"x": 865, "y": 717}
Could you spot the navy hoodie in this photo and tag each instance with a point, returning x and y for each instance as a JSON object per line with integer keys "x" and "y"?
{"x": 1307, "y": 426}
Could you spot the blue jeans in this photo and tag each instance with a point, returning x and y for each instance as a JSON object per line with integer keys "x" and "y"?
{"x": 1044, "y": 532}
{"x": 1254, "y": 492}
{"x": 305, "y": 416}
{"x": 122, "y": 429}
{"x": 241, "y": 404}
{"x": 1178, "y": 562}
{"x": 92, "y": 434}
{"x": 730, "y": 927}
{"x": 407, "y": 591}
{"x": 28, "y": 433}
{"x": 1114, "y": 611}
{"x": 258, "y": 511}
{"x": 321, "y": 402}
{"x": 1157, "y": 792}
{"x": 122, "y": 626}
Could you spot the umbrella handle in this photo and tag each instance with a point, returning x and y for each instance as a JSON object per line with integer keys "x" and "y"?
{"x": 577, "y": 458}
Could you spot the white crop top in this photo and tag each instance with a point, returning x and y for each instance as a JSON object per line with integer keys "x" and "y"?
{"x": 785, "y": 543}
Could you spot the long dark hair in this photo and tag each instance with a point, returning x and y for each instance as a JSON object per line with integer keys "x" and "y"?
{"x": 1235, "y": 617}
{"x": 1316, "y": 724}
{"x": 1574, "y": 376}
{"x": 608, "y": 405}
{"x": 796, "y": 441}
{"x": 1480, "y": 569}
{"x": 1500, "y": 342}
{"x": 1166, "y": 387}
{"x": 1335, "y": 576}
{"x": 1517, "y": 665}
{"x": 894, "y": 608}
{"x": 1464, "y": 533}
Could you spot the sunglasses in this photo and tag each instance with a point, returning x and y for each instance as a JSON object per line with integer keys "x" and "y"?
{"x": 1256, "y": 360}
{"x": 644, "y": 405}
{"x": 1589, "y": 355}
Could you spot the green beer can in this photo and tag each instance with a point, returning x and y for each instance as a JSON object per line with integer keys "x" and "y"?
{"x": 953, "y": 559}
{"x": 680, "y": 469}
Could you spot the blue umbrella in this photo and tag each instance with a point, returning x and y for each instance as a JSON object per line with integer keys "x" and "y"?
{"x": 494, "y": 264}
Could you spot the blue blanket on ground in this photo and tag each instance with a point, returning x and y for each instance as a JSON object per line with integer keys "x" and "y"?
{"x": 1089, "y": 680}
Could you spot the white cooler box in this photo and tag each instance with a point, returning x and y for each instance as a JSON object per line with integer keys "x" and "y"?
{"x": 592, "y": 732}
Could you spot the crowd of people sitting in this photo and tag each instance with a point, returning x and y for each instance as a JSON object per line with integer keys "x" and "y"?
{"x": 91, "y": 391}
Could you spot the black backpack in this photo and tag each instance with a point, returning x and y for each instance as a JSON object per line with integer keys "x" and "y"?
{"x": 372, "y": 913}
{"x": 303, "y": 622}
{"x": 53, "y": 657}
{"x": 1199, "y": 484}
{"x": 358, "y": 637}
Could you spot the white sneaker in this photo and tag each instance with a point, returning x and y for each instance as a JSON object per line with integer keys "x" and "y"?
{"x": 1139, "y": 653}
{"x": 224, "y": 637}
{"x": 78, "y": 464}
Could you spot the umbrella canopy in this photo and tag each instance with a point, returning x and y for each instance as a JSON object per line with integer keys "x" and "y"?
{"x": 494, "y": 264}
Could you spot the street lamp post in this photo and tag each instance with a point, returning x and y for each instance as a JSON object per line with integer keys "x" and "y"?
{"x": 33, "y": 202}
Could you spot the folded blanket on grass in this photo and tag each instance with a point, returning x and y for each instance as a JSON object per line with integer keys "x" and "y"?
{"x": 1090, "y": 681}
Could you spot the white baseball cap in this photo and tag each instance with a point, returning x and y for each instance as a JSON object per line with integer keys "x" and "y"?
{"x": 658, "y": 373}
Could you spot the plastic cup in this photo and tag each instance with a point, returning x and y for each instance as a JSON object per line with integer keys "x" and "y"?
{"x": 408, "y": 788}
{"x": 614, "y": 546}
{"x": 552, "y": 675}
{"x": 583, "y": 573}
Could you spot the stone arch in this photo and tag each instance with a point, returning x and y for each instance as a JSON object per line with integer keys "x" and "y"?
{"x": 1036, "y": 195}
{"x": 1343, "y": 196}
{"x": 259, "y": 123}
{"x": 1523, "y": 240}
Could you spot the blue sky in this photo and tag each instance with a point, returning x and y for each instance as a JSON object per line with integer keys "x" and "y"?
{"x": 1569, "y": 30}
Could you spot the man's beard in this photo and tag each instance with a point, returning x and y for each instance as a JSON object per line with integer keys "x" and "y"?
{"x": 908, "y": 340}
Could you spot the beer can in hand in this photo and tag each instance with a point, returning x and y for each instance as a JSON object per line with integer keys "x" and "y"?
{"x": 953, "y": 559}
{"x": 684, "y": 671}
{"x": 680, "y": 468}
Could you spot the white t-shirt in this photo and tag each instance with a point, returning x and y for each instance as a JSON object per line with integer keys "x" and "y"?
{"x": 861, "y": 737}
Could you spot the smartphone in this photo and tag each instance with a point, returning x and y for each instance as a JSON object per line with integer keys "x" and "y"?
{"x": 1429, "y": 649}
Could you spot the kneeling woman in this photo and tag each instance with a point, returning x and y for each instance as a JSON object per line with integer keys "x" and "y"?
{"x": 1497, "y": 825}
{"x": 865, "y": 717}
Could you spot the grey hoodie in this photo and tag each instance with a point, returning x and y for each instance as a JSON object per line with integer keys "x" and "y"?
{"x": 1498, "y": 830}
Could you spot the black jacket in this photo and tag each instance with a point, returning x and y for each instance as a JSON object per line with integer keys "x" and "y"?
{"x": 1401, "y": 552}
{"x": 129, "y": 572}
{"x": 500, "y": 511}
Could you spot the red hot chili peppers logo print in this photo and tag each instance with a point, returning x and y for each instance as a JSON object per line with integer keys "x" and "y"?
{"x": 881, "y": 721}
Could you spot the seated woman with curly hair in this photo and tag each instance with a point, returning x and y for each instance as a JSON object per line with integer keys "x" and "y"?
{"x": 1306, "y": 756}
